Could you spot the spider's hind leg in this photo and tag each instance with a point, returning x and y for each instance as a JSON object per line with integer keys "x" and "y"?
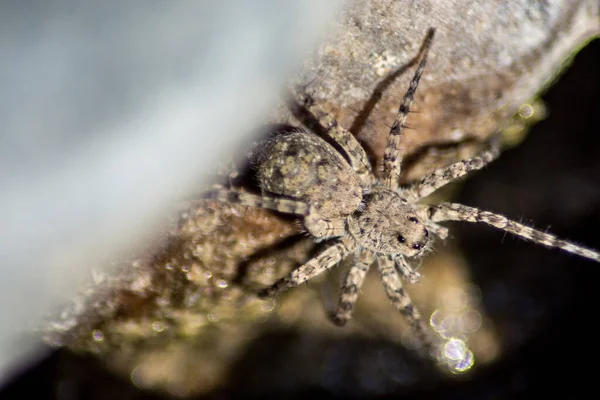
{"x": 231, "y": 196}
{"x": 359, "y": 160}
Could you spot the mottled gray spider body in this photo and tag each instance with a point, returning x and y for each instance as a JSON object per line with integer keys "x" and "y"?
{"x": 305, "y": 167}
{"x": 341, "y": 199}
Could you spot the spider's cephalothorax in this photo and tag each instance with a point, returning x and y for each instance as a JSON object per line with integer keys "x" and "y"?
{"x": 388, "y": 225}
{"x": 342, "y": 201}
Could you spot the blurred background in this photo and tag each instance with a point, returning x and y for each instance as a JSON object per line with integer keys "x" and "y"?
{"x": 108, "y": 113}
{"x": 543, "y": 296}
{"x": 540, "y": 301}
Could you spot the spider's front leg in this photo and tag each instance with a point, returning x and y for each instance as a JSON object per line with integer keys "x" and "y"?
{"x": 402, "y": 302}
{"x": 459, "y": 212}
{"x": 442, "y": 176}
{"x": 351, "y": 286}
{"x": 328, "y": 258}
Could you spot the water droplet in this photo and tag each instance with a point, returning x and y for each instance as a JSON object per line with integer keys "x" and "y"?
{"x": 455, "y": 349}
{"x": 436, "y": 320}
{"x": 222, "y": 283}
{"x": 464, "y": 364}
{"x": 98, "y": 335}
{"x": 162, "y": 301}
{"x": 137, "y": 379}
{"x": 268, "y": 305}
{"x": 158, "y": 326}
{"x": 526, "y": 111}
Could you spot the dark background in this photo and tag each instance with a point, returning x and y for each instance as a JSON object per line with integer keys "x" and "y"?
{"x": 542, "y": 301}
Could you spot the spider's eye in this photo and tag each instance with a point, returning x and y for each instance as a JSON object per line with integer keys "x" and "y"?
{"x": 413, "y": 220}
{"x": 416, "y": 246}
{"x": 401, "y": 238}
{"x": 426, "y": 233}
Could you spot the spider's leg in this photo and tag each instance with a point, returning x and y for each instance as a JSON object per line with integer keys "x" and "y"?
{"x": 317, "y": 226}
{"x": 322, "y": 228}
{"x": 407, "y": 271}
{"x": 231, "y": 196}
{"x": 359, "y": 161}
{"x": 459, "y": 212}
{"x": 442, "y": 176}
{"x": 328, "y": 258}
{"x": 392, "y": 159}
{"x": 350, "y": 287}
{"x": 438, "y": 230}
{"x": 402, "y": 302}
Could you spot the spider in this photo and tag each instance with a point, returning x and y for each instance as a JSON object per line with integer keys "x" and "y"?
{"x": 343, "y": 202}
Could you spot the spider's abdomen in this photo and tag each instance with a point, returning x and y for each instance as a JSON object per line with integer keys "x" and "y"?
{"x": 305, "y": 167}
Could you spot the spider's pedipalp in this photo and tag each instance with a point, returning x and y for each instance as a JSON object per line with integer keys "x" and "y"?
{"x": 401, "y": 300}
{"x": 231, "y": 196}
{"x": 407, "y": 271}
{"x": 328, "y": 258}
{"x": 442, "y": 176}
{"x": 322, "y": 228}
{"x": 438, "y": 230}
{"x": 459, "y": 212}
{"x": 356, "y": 153}
{"x": 350, "y": 287}
{"x": 392, "y": 158}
